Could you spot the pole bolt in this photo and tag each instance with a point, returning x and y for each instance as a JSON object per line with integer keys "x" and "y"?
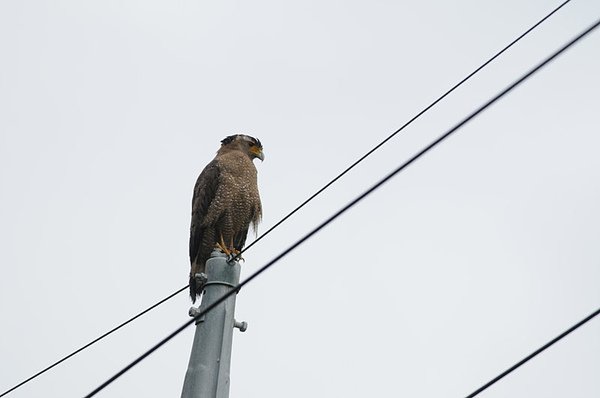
{"x": 243, "y": 326}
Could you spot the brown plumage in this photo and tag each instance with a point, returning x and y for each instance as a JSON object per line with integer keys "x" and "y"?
{"x": 225, "y": 203}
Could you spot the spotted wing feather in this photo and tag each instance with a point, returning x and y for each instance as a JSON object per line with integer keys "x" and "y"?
{"x": 202, "y": 235}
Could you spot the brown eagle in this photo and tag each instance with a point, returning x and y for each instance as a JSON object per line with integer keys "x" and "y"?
{"x": 225, "y": 203}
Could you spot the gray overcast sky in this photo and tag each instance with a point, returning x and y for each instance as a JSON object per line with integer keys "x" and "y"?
{"x": 474, "y": 256}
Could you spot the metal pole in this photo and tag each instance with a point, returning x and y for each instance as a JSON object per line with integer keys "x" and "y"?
{"x": 207, "y": 375}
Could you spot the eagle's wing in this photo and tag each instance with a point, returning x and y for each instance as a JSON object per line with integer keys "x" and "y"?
{"x": 200, "y": 233}
{"x": 204, "y": 193}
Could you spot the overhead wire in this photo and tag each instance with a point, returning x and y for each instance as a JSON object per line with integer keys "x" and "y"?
{"x": 376, "y": 147}
{"x": 92, "y": 342}
{"x": 314, "y": 195}
{"x": 348, "y": 206}
{"x": 309, "y": 199}
{"x": 534, "y": 353}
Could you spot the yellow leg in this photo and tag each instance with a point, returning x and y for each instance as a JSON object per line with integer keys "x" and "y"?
{"x": 235, "y": 252}
{"x": 221, "y": 245}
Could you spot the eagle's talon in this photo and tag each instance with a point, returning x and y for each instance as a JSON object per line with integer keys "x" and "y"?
{"x": 222, "y": 249}
{"x": 237, "y": 255}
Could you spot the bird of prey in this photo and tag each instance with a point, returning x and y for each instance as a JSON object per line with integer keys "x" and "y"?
{"x": 225, "y": 203}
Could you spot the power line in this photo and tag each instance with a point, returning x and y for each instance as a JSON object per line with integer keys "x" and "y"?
{"x": 535, "y": 353}
{"x": 92, "y": 342}
{"x": 348, "y": 206}
{"x": 376, "y": 147}
{"x": 316, "y": 193}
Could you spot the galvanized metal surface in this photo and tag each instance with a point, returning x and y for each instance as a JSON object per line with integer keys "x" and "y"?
{"x": 207, "y": 375}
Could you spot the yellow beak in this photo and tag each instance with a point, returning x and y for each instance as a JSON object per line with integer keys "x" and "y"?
{"x": 258, "y": 152}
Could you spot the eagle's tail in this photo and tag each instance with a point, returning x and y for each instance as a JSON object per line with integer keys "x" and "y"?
{"x": 193, "y": 288}
{"x": 196, "y": 284}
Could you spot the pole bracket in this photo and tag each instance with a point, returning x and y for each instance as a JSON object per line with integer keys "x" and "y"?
{"x": 220, "y": 283}
{"x": 193, "y": 312}
{"x": 200, "y": 278}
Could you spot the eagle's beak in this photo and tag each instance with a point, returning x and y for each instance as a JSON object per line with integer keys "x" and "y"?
{"x": 258, "y": 152}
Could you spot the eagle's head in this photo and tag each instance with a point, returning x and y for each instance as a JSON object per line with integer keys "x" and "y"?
{"x": 250, "y": 145}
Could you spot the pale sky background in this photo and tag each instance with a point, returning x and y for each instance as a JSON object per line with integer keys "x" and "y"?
{"x": 473, "y": 257}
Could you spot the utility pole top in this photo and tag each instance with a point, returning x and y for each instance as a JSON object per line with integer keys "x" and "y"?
{"x": 207, "y": 375}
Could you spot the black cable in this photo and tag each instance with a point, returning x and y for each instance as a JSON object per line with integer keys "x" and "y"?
{"x": 533, "y": 354}
{"x": 326, "y": 185}
{"x": 346, "y": 208}
{"x": 92, "y": 342}
{"x": 400, "y": 129}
